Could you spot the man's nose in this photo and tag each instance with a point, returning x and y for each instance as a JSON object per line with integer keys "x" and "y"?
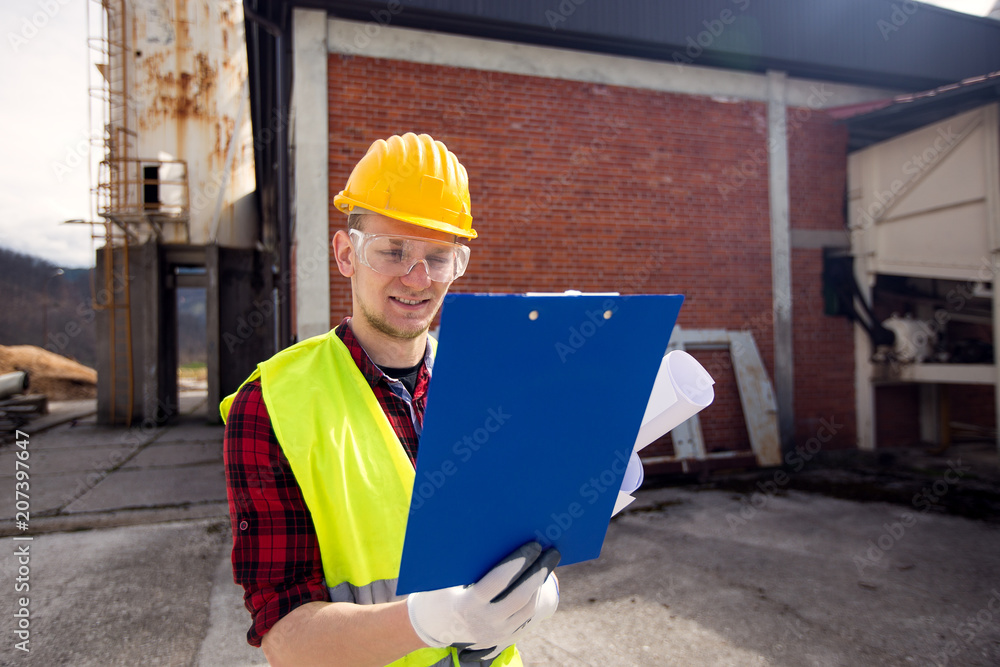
{"x": 417, "y": 278}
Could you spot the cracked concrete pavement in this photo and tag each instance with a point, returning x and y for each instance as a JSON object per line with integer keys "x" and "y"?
{"x": 129, "y": 564}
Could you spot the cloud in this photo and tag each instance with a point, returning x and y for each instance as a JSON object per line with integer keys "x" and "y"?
{"x": 45, "y": 120}
{"x": 44, "y": 177}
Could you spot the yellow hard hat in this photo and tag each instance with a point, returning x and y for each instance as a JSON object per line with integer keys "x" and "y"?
{"x": 414, "y": 179}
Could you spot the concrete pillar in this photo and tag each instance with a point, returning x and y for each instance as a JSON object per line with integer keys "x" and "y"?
{"x": 311, "y": 149}
{"x": 864, "y": 390}
{"x": 144, "y": 337}
{"x": 991, "y": 133}
{"x": 995, "y": 258}
{"x": 930, "y": 414}
{"x": 781, "y": 258}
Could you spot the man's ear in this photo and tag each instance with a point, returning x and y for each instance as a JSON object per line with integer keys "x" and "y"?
{"x": 343, "y": 251}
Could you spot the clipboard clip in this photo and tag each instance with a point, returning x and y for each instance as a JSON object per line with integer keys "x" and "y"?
{"x": 572, "y": 292}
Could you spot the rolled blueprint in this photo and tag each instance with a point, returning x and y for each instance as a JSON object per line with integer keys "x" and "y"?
{"x": 634, "y": 475}
{"x": 682, "y": 389}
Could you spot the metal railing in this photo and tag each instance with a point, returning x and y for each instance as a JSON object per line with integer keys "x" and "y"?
{"x": 140, "y": 195}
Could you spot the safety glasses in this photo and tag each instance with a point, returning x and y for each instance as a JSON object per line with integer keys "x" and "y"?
{"x": 393, "y": 255}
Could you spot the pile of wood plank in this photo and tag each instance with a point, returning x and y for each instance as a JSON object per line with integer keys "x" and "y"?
{"x": 18, "y": 410}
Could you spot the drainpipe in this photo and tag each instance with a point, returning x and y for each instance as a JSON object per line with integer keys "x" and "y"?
{"x": 282, "y": 190}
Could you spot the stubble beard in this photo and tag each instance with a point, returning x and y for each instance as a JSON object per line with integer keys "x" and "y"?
{"x": 381, "y": 325}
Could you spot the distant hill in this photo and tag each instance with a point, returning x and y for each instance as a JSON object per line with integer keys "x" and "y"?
{"x": 71, "y": 317}
{"x": 70, "y": 329}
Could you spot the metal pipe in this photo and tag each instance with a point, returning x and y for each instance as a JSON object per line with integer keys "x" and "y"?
{"x": 283, "y": 203}
{"x": 13, "y": 383}
{"x": 267, "y": 24}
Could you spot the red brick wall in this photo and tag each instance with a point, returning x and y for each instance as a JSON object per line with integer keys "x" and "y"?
{"x": 897, "y": 415}
{"x": 897, "y": 412}
{"x": 972, "y": 404}
{"x": 724, "y": 428}
{"x": 601, "y": 188}
{"x": 824, "y": 346}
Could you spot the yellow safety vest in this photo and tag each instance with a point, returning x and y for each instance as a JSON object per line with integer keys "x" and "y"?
{"x": 353, "y": 472}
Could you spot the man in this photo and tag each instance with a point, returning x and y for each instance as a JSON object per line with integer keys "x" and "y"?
{"x": 321, "y": 443}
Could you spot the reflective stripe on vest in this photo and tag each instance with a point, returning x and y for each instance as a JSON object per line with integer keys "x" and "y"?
{"x": 354, "y": 474}
{"x": 376, "y": 592}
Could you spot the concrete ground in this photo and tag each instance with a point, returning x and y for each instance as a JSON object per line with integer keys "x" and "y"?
{"x": 129, "y": 564}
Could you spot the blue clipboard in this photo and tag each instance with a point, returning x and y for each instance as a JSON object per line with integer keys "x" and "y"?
{"x": 532, "y": 412}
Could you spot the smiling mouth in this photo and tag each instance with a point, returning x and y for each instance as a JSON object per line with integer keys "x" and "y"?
{"x": 408, "y": 302}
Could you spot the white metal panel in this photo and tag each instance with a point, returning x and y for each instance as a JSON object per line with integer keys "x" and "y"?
{"x": 941, "y": 240}
{"x": 921, "y": 203}
{"x": 949, "y": 181}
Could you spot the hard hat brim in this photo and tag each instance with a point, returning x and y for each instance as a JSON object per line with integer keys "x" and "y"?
{"x": 346, "y": 204}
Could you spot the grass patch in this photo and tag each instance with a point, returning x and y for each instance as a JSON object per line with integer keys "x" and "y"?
{"x": 194, "y": 371}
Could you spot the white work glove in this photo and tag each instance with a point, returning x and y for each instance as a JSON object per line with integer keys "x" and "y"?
{"x": 548, "y": 600}
{"x": 488, "y": 612}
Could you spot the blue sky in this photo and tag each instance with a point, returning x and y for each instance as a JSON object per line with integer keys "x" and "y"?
{"x": 43, "y": 172}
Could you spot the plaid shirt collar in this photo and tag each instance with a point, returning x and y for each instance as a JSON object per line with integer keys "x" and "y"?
{"x": 373, "y": 374}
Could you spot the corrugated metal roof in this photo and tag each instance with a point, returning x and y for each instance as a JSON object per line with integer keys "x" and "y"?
{"x": 889, "y": 43}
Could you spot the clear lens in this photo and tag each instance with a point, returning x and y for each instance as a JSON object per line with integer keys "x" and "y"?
{"x": 397, "y": 255}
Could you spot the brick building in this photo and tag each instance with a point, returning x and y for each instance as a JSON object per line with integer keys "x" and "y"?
{"x": 675, "y": 148}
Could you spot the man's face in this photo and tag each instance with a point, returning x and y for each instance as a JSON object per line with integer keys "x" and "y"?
{"x": 400, "y": 307}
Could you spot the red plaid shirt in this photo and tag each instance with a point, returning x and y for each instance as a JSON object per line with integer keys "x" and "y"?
{"x": 275, "y": 550}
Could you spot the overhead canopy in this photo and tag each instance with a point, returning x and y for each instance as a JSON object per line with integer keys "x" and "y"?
{"x": 878, "y": 121}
